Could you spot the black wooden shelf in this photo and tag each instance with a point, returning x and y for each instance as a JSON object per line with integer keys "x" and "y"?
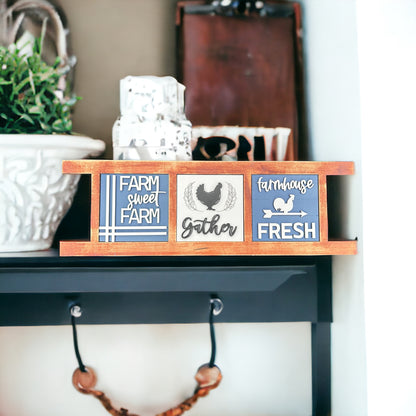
{"x": 39, "y": 288}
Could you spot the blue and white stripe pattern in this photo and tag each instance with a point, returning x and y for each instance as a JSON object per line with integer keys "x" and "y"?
{"x": 122, "y": 220}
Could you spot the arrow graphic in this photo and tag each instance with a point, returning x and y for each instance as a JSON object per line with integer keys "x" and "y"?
{"x": 268, "y": 213}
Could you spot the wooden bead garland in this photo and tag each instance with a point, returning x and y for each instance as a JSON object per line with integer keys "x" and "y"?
{"x": 207, "y": 378}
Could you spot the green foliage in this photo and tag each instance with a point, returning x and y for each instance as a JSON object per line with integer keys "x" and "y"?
{"x": 28, "y": 99}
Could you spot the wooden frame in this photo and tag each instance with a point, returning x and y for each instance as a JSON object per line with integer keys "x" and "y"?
{"x": 229, "y": 63}
{"x": 244, "y": 173}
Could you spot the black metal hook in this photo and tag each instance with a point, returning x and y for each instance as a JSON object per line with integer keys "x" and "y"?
{"x": 76, "y": 311}
{"x": 216, "y": 307}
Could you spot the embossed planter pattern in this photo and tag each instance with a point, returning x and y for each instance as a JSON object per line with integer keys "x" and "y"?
{"x": 34, "y": 193}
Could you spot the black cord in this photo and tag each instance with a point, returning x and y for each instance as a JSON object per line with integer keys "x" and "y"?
{"x": 211, "y": 330}
{"x": 77, "y": 354}
{"x": 212, "y": 333}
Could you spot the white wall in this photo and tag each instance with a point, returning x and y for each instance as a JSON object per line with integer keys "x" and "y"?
{"x": 332, "y": 81}
{"x": 387, "y": 49}
{"x": 361, "y": 67}
{"x": 150, "y": 368}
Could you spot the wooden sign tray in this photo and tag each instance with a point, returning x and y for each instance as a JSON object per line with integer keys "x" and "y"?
{"x": 141, "y": 208}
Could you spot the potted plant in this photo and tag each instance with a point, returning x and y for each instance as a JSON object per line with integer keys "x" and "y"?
{"x": 35, "y": 131}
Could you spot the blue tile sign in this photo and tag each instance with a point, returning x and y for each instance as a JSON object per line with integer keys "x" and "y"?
{"x": 285, "y": 208}
{"x": 134, "y": 207}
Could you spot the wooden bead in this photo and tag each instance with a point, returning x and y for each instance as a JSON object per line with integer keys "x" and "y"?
{"x": 207, "y": 376}
{"x": 84, "y": 381}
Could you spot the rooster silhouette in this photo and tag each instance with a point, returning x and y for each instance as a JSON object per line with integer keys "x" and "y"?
{"x": 279, "y": 204}
{"x": 209, "y": 198}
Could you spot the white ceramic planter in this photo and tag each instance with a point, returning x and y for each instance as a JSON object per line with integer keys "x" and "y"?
{"x": 34, "y": 194}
